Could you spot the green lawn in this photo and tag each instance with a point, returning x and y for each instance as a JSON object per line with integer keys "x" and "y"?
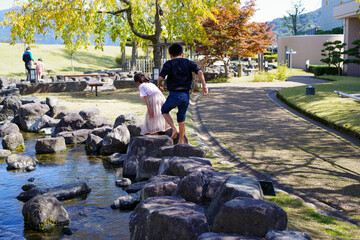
{"x": 326, "y": 106}
{"x": 56, "y": 59}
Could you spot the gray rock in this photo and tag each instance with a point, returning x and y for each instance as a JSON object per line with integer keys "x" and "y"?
{"x": 147, "y": 168}
{"x": 57, "y": 111}
{"x": 186, "y": 150}
{"x": 234, "y": 186}
{"x": 117, "y": 158}
{"x": 24, "y": 162}
{"x": 287, "y": 235}
{"x": 161, "y": 185}
{"x": 93, "y": 143}
{"x": 26, "y": 100}
{"x": 52, "y": 102}
{"x": 47, "y": 131}
{"x": 89, "y": 113}
{"x": 70, "y": 122}
{"x": 97, "y": 122}
{"x": 4, "y": 153}
{"x": 116, "y": 141}
{"x": 43, "y": 122}
{"x": 225, "y": 236}
{"x": 181, "y": 166}
{"x": 27, "y": 187}
{"x": 50, "y": 145}
{"x": 124, "y": 182}
{"x": 75, "y": 137}
{"x": 13, "y": 142}
{"x": 8, "y": 128}
{"x": 164, "y": 168}
{"x": 132, "y": 122}
{"x": 128, "y": 202}
{"x": 42, "y": 213}
{"x": 63, "y": 192}
{"x": 164, "y": 218}
{"x": 101, "y": 132}
{"x": 143, "y": 147}
{"x": 135, "y": 187}
{"x": 12, "y": 104}
{"x": 192, "y": 187}
{"x": 248, "y": 216}
{"x": 166, "y": 151}
{"x": 216, "y": 180}
{"x": 30, "y": 113}
{"x": 4, "y": 82}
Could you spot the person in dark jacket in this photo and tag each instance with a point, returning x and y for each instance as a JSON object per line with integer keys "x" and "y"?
{"x": 179, "y": 71}
{"x": 27, "y": 58}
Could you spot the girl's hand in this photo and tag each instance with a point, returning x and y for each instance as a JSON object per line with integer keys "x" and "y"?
{"x": 151, "y": 113}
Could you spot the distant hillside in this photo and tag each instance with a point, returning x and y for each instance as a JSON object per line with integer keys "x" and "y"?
{"x": 40, "y": 39}
{"x": 312, "y": 18}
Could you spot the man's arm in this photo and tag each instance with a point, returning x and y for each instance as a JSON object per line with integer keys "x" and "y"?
{"x": 159, "y": 83}
{"x": 203, "y": 83}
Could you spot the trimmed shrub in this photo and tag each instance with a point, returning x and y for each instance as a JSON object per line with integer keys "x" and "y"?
{"x": 218, "y": 80}
{"x": 324, "y": 70}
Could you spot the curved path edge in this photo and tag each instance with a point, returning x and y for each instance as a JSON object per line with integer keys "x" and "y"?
{"x": 219, "y": 148}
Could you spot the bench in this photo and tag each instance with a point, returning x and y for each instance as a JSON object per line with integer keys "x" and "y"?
{"x": 250, "y": 70}
{"x": 81, "y": 75}
{"x": 95, "y": 84}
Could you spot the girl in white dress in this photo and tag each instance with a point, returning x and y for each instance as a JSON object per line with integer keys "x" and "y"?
{"x": 154, "y": 99}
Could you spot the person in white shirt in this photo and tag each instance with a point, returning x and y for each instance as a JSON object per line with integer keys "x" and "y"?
{"x": 154, "y": 99}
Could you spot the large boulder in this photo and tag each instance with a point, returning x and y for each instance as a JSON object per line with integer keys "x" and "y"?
{"x": 287, "y": 235}
{"x": 136, "y": 187}
{"x": 26, "y": 163}
{"x": 128, "y": 202}
{"x": 102, "y": 132}
{"x": 97, "y": 122}
{"x": 248, "y": 216}
{"x": 26, "y": 100}
{"x": 181, "y": 150}
{"x": 8, "y": 128}
{"x": 216, "y": 181}
{"x": 52, "y": 102}
{"x": 164, "y": 168}
{"x": 182, "y": 166}
{"x": 93, "y": 143}
{"x": 225, "y": 236}
{"x": 89, "y": 113}
{"x": 63, "y": 192}
{"x": 164, "y": 218}
{"x": 192, "y": 187}
{"x": 116, "y": 141}
{"x": 12, "y": 104}
{"x": 75, "y": 137}
{"x": 57, "y": 111}
{"x": 147, "y": 168}
{"x": 70, "y": 122}
{"x": 234, "y": 186}
{"x": 161, "y": 185}
{"x": 131, "y": 121}
{"x": 30, "y": 113}
{"x": 43, "y": 212}
{"x": 13, "y": 142}
{"x": 117, "y": 159}
{"x": 50, "y": 145}
{"x": 4, "y": 153}
{"x": 43, "y": 122}
{"x": 141, "y": 148}
{"x": 4, "y": 82}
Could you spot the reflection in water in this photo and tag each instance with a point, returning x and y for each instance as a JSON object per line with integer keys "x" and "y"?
{"x": 91, "y": 218}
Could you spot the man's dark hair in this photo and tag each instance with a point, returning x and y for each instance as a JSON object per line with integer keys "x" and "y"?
{"x": 28, "y": 49}
{"x": 175, "y": 49}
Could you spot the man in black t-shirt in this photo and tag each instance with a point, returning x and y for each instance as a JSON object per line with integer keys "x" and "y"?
{"x": 179, "y": 81}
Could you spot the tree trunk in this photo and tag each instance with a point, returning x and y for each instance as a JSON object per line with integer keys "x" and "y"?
{"x": 72, "y": 65}
{"x": 123, "y": 60}
{"x": 226, "y": 69}
{"x": 156, "y": 40}
{"x": 134, "y": 55}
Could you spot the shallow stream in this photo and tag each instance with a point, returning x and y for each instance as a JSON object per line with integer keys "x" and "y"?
{"x": 91, "y": 216}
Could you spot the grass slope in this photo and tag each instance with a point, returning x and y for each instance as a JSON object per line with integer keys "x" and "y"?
{"x": 326, "y": 106}
{"x": 56, "y": 59}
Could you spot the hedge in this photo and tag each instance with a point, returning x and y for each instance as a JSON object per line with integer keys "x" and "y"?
{"x": 323, "y": 70}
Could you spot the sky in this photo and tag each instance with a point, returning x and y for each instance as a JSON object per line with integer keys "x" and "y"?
{"x": 267, "y": 9}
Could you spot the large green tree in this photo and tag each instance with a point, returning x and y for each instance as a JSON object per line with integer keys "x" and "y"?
{"x": 82, "y": 20}
{"x": 295, "y": 20}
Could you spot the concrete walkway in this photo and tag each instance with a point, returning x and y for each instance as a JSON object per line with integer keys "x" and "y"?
{"x": 298, "y": 156}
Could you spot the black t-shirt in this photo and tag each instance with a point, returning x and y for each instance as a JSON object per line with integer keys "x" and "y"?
{"x": 179, "y": 73}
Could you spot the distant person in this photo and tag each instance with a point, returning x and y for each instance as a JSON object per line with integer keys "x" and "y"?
{"x": 39, "y": 68}
{"x": 27, "y": 58}
{"x": 154, "y": 99}
{"x": 179, "y": 82}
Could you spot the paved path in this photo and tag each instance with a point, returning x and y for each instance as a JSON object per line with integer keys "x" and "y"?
{"x": 318, "y": 164}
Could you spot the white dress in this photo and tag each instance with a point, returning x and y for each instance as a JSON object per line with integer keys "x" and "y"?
{"x": 156, "y": 100}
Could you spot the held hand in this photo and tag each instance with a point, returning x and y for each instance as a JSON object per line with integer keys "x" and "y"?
{"x": 151, "y": 113}
{"x": 160, "y": 87}
{"x": 206, "y": 92}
